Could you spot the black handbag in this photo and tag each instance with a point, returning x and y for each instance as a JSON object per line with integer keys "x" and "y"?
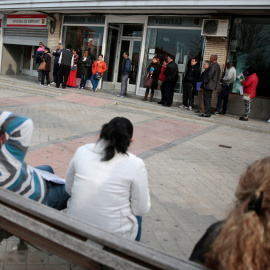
{"x": 73, "y": 68}
{"x": 98, "y": 76}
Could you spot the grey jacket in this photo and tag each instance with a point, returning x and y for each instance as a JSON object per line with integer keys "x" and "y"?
{"x": 212, "y": 80}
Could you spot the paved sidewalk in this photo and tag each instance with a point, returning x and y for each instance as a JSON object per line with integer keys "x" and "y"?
{"x": 191, "y": 177}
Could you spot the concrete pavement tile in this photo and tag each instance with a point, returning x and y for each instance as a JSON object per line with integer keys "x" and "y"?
{"x": 14, "y": 267}
{"x": 37, "y": 267}
{"x": 2, "y": 256}
{"x": 37, "y": 258}
{"x": 18, "y": 257}
{"x": 58, "y": 267}
{"x": 53, "y": 259}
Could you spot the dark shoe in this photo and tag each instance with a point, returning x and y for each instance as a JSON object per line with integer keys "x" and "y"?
{"x": 222, "y": 113}
{"x": 64, "y": 87}
{"x": 205, "y": 115}
{"x": 160, "y": 102}
{"x": 166, "y": 105}
{"x": 242, "y": 118}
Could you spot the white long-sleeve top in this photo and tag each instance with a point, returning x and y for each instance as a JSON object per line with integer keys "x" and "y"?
{"x": 108, "y": 194}
{"x": 230, "y": 76}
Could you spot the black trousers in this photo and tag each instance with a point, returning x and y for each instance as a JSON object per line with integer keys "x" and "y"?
{"x": 188, "y": 97}
{"x": 207, "y": 97}
{"x": 169, "y": 92}
{"x": 224, "y": 95}
{"x": 162, "y": 89}
{"x": 55, "y": 72}
{"x": 64, "y": 71}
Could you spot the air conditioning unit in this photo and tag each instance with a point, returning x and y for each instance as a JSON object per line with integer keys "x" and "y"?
{"x": 215, "y": 28}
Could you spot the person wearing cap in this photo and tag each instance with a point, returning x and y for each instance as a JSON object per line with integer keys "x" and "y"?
{"x": 39, "y": 58}
{"x": 227, "y": 84}
{"x": 56, "y": 53}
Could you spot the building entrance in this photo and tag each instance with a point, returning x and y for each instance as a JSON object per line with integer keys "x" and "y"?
{"x": 122, "y": 38}
{"x": 28, "y": 61}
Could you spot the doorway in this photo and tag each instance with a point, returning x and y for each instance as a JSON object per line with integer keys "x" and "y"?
{"x": 28, "y": 61}
{"x": 122, "y": 38}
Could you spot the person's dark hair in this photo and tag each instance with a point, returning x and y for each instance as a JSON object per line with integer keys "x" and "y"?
{"x": 101, "y": 55}
{"x": 69, "y": 46}
{"x": 172, "y": 57}
{"x": 230, "y": 63}
{"x": 77, "y": 51}
{"x": 195, "y": 58}
{"x": 48, "y": 49}
{"x": 250, "y": 70}
{"x": 127, "y": 53}
{"x": 117, "y": 133}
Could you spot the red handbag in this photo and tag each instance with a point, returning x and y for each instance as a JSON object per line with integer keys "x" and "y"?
{"x": 148, "y": 81}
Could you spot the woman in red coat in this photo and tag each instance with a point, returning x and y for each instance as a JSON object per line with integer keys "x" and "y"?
{"x": 98, "y": 69}
{"x": 73, "y": 72}
{"x": 250, "y": 86}
{"x": 162, "y": 78}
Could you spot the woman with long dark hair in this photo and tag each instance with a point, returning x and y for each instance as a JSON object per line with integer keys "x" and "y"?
{"x": 241, "y": 241}
{"x": 108, "y": 185}
{"x": 153, "y": 70}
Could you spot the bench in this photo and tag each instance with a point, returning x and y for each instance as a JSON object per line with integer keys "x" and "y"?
{"x": 77, "y": 241}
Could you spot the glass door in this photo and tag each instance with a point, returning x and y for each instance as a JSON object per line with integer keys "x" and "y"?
{"x": 132, "y": 46}
{"x": 28, "y": 61}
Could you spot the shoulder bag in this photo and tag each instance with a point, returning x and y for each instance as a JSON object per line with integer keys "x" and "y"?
{"x": 98, "y": 76}
{"x": 148, "y": 81}
{"x": 42, "y": 65}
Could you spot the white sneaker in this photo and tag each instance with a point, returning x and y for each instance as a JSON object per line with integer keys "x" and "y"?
{"x": 183, "y": 106}
{"x": 118, "y": 95}
{"x": 268, "y": 121}
{"x": 48, "y": 85}
{"x": 122, "y": 96}
{"x": 190, "y": 108}
{"x": 53, "y": 83}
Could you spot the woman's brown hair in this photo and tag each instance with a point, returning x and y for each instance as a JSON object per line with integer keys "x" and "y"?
{"x": 243, "y": 242}
{"x": 158, "y": 61}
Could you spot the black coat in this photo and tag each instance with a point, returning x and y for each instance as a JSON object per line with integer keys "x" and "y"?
{"x": 192, "y": 74}
{"x": 203, "y": 77}
{"x": 86, "y": 66}
{"x": 47, "y": 57}
{"x": 155, "y": 75}
{"x": 171, "y": 72}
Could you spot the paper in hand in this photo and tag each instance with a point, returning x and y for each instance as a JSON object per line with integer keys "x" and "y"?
{"x": 51, "y": 177}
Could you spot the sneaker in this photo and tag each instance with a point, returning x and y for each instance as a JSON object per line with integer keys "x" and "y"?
{"x": 122, "y": 96}
{"x": 48, "y": 85}
{"x": 183, "y": 106}
{"x": 53, "y": 83}
{"x": 268, "y": 121}
{"x": 118, "y": 95}
{"x": 190, "y": 108}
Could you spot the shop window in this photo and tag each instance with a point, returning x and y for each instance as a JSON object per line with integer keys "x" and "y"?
{"x": 250, "y": 45}
{"x": 181, "y": 43}
{"x": 82, "y": 38}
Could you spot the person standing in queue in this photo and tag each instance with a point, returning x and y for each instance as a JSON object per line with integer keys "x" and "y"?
{"x": 85, "y": 66}
{"x": 98, "y": 69}
{"x": 154, "y": 70}
{"x": 73, "y": 72}
{"x": 162, "y": 78}
{"x": 66, "y": 61}
{"x": 46, "y": 73}
{"x": 125, "y": 74}
{"x": 39, "y": 58}
{"x": 56, "y": 53}
{"x": 211, "y": 83}
{"x": 171, "y": 74}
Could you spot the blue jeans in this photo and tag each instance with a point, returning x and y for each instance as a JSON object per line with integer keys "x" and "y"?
{"x": 83, "y": 81}
{"x": 138, "y": 237}
{"x": 94, "y": 81}
{"x": 56, "y": 195}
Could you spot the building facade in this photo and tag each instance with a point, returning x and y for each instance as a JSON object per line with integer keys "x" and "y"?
{"x": 144, "y": 29}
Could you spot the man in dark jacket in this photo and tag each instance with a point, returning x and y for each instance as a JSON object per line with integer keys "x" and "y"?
{"x": 125, "y": 74}
{"x": 189, "y": 83}
{"x": 56, "y": 54}
{"x": 66, "y": 61}
{"x": 171, "y": 74}
{"x": 211, "y": 82}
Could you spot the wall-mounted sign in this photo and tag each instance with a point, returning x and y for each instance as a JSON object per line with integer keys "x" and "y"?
{"x": 84, "y": 20}
{"x": 174, "y": 21}
{"x": 27, "y": 20}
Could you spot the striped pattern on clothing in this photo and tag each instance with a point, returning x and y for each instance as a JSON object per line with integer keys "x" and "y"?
{"x": 15, "y": 174}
